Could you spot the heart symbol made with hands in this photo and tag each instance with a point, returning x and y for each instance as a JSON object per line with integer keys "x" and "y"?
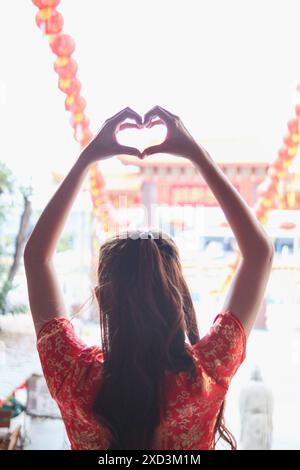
{"x": 143, "y": 135}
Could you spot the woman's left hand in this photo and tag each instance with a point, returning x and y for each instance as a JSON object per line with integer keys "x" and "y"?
{"x": 105, "y": 144}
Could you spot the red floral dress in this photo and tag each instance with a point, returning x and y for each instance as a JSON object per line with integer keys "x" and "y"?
{"x": 73, "y": 374}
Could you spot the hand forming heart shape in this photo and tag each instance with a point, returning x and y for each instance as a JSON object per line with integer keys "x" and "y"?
{"x": 173, "y": 138}
{"x": 144, "y": 135}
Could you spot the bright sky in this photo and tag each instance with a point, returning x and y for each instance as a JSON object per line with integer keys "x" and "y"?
{"x": 228, "y": 68}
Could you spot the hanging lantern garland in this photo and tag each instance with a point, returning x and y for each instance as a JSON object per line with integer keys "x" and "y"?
{"x": 278, "y": 170}
{"x": 268, "y": 190}
{"x": 51, "y": 22}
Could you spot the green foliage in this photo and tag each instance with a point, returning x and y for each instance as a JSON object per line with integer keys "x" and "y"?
{"x": 6, "y": 179}
{"x": 6, "y": 188}
{"x": 8, "y": 195}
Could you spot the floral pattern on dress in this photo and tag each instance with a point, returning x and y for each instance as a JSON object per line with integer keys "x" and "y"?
{"x": 73, "y": 372}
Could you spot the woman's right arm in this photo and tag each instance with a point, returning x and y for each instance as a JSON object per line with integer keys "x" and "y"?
{"x": 248, "y": 286}
{"x": 247, "y": 289}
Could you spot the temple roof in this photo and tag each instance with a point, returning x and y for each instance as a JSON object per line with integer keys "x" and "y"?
{"x": 223, "y": 150}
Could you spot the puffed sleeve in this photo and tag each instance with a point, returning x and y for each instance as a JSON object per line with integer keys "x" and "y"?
{"x": 223, "y": 349}
{"x": 58, "y": 347}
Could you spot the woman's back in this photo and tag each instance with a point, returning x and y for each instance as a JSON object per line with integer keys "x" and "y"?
{"x": 73, "y": 372}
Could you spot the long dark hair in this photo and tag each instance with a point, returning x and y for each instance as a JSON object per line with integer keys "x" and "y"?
{"x": 145, "y": 311}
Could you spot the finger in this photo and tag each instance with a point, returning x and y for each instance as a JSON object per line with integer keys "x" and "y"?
{"x": 124, "y": 149}
{"x": 124, "y": 114}
{"x": 161, "y": 148}
{"x": 155, "y": 123}
{"x": 169, "y": 113}
{"x": 116, "y": 115}
{"x": 128, "y": 125}
{"x": 158, "y": 111}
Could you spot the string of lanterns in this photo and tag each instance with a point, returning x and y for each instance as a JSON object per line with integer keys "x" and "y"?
{"x": 268, "y": 190}
{"x": 51, "y": 23}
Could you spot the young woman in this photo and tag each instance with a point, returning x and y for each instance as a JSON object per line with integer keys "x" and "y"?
{"x": 146, "y": 387}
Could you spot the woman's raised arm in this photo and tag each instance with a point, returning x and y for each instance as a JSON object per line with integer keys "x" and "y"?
{"x": 255, "y": 245}
{"x": 45, "y": 297}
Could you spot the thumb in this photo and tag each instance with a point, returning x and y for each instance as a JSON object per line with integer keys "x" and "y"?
{"x": 129, "y": 150}
{"x": 161, "y": 148}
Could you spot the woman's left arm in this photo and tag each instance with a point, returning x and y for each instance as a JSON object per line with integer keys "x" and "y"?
{"x": 45, "y": 296}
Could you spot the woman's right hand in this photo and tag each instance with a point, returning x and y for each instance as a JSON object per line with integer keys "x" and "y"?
{"x": 178, "y": 141}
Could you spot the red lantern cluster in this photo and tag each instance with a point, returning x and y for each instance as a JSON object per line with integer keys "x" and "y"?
{"x": 268, "y": 189}
{"x": 66, "y": 68}
{"x": 50, "y": 21}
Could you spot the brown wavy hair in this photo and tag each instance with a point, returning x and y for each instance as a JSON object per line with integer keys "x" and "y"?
{"x": 145, "y": 312}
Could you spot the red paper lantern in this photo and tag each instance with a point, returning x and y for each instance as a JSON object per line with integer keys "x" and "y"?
{"x": 63, "y": 45}
{"x": 81, "y": 130}
{"x": 267, "y": 188}
{"x": 296, "y": 138}
{"x": 283, "y": 153}
{"x": 292, "y": 151}
{"x": 260, "y": 211}
{"x": 49, "y": 21}
{"x": 293, "y": 125}
{"x": 70, "y": 86}
{"x": 278, "y": 165}
{"x": 84, "y": 124}
{"x": 67, "y": 68}
{"x": 76, "y": 118}
{"x": 266, "y": 202}
{"x": 272, "y": 173}
{"x": 75, "y": 103}
{"x": 288, "y": 140}
{"x": 46, "y": 3}
{"x": 270, "y": 192}
{"x": 100, "y": 181}
{"x": 86, "y": 138}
